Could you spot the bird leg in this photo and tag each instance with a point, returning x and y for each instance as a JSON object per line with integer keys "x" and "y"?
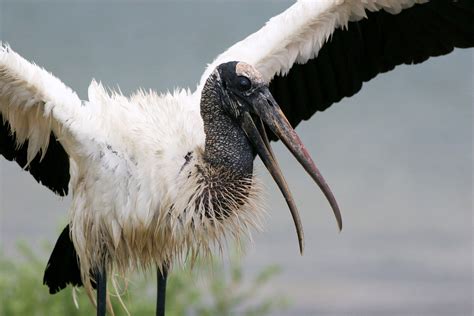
{"x": 162, "y": 275}
{"x": 101, "y": 279}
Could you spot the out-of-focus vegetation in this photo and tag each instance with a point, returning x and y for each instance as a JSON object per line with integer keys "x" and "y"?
{"x": 207, "y": 289}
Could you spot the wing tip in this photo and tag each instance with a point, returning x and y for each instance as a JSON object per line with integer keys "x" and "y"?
{"x": 63, "y": 265}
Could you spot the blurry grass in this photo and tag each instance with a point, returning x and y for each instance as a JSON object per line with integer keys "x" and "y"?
{"x": 209, "y": 289}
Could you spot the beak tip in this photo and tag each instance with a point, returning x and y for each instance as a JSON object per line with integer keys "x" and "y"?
{"x": 336, "y": 211}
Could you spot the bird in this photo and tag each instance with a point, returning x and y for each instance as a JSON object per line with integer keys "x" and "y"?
{"x": 137, "y": 161}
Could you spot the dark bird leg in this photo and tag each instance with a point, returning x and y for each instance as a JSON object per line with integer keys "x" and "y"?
{"x": 162, "y": 275}
{"x": 101, "y": 279}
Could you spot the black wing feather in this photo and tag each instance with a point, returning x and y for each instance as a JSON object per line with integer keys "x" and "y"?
{"x": 371, "y": 46}
{"x": 52, "y": 171}
{"x": 63, "y": 265}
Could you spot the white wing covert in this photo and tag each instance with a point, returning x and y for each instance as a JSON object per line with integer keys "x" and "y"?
{"x": 318, "y": 52}
{"x": 41, "y": 120}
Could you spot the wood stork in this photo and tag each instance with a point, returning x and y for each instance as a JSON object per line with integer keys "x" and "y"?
{"x": 124, "y": 165}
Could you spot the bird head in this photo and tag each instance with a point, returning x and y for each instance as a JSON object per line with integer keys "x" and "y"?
{"x": 247, "y": 99}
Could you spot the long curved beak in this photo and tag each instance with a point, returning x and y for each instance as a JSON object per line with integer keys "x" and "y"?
{"x": 267, "y": 109}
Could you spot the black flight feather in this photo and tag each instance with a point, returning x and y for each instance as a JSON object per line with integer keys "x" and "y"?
{"x": 371, "y": 46}
{"x": 63, "y": 265}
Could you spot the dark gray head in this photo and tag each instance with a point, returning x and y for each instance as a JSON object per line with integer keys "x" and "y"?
{"x": 240, "y": 84}
{"x": 242, "y": 95}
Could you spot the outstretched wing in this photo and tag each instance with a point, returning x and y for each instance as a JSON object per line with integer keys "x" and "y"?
{"x": 40, "y": 120}
{"x": 52, "y": 170}
{"x": 318, "y": 52}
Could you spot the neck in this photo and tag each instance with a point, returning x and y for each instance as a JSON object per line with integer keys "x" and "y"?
{"x": 226, "y": 144}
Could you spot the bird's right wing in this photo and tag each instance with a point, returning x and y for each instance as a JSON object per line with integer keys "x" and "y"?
{"x": 41, "y": 119}
{"x": 319, "y": 51}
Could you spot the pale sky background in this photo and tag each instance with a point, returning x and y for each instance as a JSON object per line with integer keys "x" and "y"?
{"x": 398, "y": 155}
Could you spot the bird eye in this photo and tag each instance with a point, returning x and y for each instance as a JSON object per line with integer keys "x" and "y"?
{"x": 244, "y": 83}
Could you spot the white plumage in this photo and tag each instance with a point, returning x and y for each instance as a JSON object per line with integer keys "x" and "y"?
{"x": 127, "y": 157}
{"x": 297, "y": 34}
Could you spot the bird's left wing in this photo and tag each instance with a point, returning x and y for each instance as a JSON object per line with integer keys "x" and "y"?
{"x": 39, "y": 118}
{"x": 52, "y": 170}
{"x": 320, "y": 51}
